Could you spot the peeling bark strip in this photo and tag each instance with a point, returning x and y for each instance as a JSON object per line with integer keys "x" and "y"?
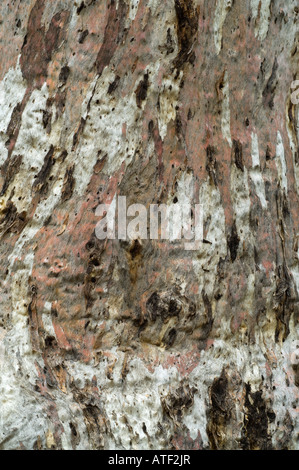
{"x": 142, "y": 344}
{"x": 233, "y": 242}
{"x": 41, "y": 184}
{"x": 238, "y": 155}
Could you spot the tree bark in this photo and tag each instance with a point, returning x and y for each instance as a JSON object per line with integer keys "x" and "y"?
{"x": 120, "y": 344}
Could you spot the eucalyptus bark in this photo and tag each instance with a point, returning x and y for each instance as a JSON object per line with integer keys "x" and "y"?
{"x": 142, "y": 344}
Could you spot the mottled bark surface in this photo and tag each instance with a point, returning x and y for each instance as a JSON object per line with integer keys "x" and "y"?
{"x": 143, "y": 345}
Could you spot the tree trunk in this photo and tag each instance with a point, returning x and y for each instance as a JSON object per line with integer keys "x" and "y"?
{"x": 143, "y": 344}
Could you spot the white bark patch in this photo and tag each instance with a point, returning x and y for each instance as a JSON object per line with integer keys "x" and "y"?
{"x": 12, "y": 91}
{"x": 261, "y": 13}
{"x": 185, "y": 188}
{"x": 255, "y": 172}
{"x": 281, "y": 163}
{"x": 22, "y": 418}
{"x": 196, "y": 419}
{"x": 133, "y": 8}
{"x": 225, "y": 120}
{"x": 222, "y": 8}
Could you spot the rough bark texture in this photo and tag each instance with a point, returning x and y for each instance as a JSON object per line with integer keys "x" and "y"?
{"x": 143, "y": 345}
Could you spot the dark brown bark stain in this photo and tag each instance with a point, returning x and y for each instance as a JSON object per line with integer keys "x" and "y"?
{"x": 255, "y": 435}
{"x": 33, "y": 320}
{"x": 220, "y": 412}
{"x": 61, "y": 95}
{"x": 134, "y": 257}
{"x": 13, "y": 130}
{"x": 47, "y": 116}
{"x": 83, "y": 36}
{"x": 41, "y": 181}
{"x": 141, "y": 91}
{"x": 233, "y": 242}
{"x": 187, "y": 26}
{"x": 14, "y": 123}
{"x": 238, "y": 155}
{"x": 113, "y": 34}
{"x": 75, "y": 435}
